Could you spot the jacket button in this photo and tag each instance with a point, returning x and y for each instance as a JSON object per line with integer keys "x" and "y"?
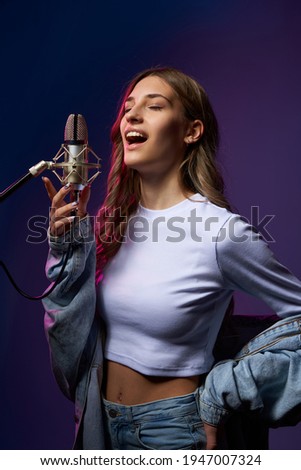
{"x": 113, "y": 413}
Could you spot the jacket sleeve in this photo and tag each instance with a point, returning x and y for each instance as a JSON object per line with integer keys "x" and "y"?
{"x": 261, "y": 382}
{"x": 70, "y": 308}
{"x": 267, "y": 384}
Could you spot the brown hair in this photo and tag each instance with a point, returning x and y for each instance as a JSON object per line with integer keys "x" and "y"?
{"x": 198, "y": 172}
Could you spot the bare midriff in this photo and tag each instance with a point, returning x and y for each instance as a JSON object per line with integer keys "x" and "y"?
{"x": 126, "y": 386}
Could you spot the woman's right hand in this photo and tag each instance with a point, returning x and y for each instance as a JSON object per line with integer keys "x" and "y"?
{"x": 211, "y": 436}
{"x": 60, "y": 215}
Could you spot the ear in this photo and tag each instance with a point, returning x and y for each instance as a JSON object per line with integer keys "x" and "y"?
{"x": 194, "y": 132}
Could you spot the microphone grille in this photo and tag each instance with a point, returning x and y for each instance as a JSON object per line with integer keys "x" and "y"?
{"x": 76, "y": 128}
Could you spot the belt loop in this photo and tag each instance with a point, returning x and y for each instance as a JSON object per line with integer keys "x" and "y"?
{"x": 129, "y": 413}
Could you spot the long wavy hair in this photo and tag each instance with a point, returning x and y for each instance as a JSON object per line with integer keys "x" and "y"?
{"x": 199, "y": 172}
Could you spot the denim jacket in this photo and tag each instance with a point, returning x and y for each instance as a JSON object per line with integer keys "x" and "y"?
{"x": 263, "y": 378}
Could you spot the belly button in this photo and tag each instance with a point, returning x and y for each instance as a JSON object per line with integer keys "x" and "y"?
{"x": 119, "y": 399}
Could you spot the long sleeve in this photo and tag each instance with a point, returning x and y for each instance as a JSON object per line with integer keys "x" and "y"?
{"x": 70, "y": 308}
{"x": 247, "y": 264}
{"x": 264, "y": 377}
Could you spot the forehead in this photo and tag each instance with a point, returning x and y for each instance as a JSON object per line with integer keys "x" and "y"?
{"x": 152, "y": 85}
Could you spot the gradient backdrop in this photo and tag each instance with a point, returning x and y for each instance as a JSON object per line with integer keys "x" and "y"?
{"x": 66, "y": 56}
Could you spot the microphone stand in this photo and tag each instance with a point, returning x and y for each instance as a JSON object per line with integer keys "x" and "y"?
{"x": 34, "y": 171}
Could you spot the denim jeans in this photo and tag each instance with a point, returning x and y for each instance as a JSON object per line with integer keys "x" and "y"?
{"x": 168, "y": 424}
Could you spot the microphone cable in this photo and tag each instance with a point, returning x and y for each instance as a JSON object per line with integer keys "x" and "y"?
{"x": 50, "y": 288}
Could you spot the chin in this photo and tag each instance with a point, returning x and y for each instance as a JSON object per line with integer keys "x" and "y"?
{"x": 132, "y": 162}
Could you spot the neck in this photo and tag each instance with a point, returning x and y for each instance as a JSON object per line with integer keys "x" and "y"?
{"x": 158, "y": 194}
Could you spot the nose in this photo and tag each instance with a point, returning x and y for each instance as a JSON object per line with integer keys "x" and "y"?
{"x": 134, "y": 115}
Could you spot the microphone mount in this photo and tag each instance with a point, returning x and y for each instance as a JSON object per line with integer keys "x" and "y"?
{"x": 69, "y": 168}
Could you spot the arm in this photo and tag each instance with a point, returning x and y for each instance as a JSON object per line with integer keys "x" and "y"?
{"x": 257, "y": 382}
{"x": 266, "y": 383}
{"x": 70, "y": 308}
{"x": 247, "y": 264}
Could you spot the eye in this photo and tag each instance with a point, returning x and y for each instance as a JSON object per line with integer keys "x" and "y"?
{"x": 127, "y": 110}
{"x": 157, "y": 108}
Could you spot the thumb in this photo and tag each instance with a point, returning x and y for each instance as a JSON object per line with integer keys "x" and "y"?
{"x": 83, "y": 201}
{"x": 211, "y": 436}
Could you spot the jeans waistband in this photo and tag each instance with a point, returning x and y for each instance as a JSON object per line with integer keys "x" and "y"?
{"x": 175, "y": 406}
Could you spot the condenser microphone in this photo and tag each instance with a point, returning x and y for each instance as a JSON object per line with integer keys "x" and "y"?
{"x": 72, "y": 158}
{"x": 74, "y": 162}
{"x": 76, "y": 152}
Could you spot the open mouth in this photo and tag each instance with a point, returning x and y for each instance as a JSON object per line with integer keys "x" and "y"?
{"x": 134, "y": 137}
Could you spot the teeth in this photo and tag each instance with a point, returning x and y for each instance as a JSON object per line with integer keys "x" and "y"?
{"x": 134, "y": 134}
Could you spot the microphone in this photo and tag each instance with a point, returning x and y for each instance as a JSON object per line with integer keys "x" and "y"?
{"x": 76, "y": 153}
{"x": 75, "y": 169}
{"x": 72, "y": 158}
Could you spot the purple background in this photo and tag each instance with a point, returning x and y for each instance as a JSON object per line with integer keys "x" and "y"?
{"x": 73, "y": 56}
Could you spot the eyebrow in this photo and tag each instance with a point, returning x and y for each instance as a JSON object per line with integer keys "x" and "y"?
{"x": 149, "y": 95}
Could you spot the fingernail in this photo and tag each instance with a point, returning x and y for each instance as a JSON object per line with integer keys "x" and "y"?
{"x": 71, "y": 218}
{"x": 67, "y": 186}
{"x": 74, "y": 203}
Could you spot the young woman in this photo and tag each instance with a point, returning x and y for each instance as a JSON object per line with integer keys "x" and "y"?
{"x": 169, "y": 254}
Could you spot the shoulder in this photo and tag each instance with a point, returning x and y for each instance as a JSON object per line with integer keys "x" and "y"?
{"x": 231, "y": 229}
{"x": 236, "y": 229}
{"x": 238, "y": 240}
{"x": 213, "y": 217}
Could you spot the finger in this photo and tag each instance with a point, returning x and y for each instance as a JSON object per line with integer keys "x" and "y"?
{"x": 58, "y": 202}
{"x": 85, "y": 195}
{"x": 83, "y": 201}
{"x": 51, "y": 191}
{"x": 61, "y": 227}
{"x": 211, "y": 436}
{"x": 65, "y": 211}
{"x": 58, "y": 199}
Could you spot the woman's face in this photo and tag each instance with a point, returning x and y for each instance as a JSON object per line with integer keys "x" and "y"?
{"x": 153, "y": 128}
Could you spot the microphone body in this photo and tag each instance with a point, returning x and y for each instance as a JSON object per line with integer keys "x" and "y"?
{"x": 76, "y": 171}
{"x": 76, "y": 152}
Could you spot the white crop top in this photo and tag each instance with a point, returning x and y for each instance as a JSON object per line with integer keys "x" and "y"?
{"x": 164, "y": 295}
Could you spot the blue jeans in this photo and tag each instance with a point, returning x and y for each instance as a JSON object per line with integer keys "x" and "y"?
{"x": 168, "y": 424}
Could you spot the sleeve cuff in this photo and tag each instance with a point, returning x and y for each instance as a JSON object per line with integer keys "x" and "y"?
{"x": 212, "y": 414}
{"x": 80, "y": 232}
